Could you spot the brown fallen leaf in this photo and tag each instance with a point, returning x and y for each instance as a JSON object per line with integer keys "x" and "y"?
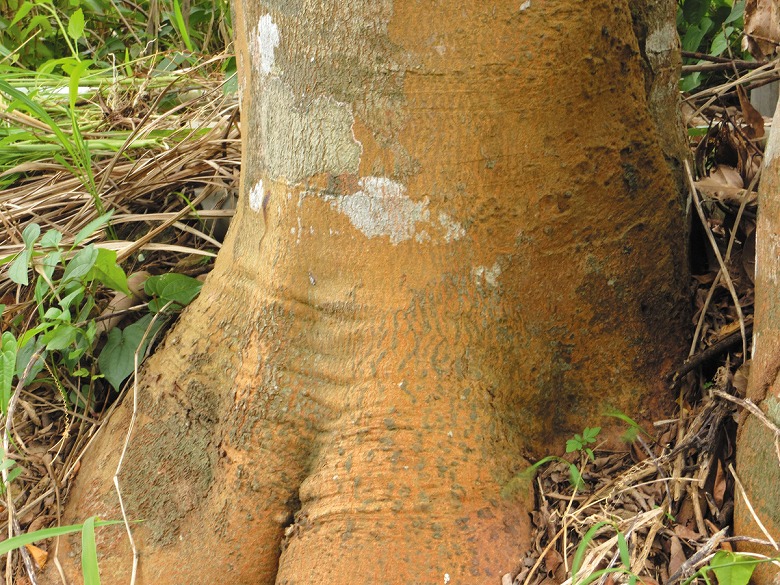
{"x": 552, "y": 561}
{"x": 762, "y": 27}
{"x": 676, "y": 556}
{"x": 686, "y": 533}
{"x": 719, "y": 487}
{"x": 39, "y": 555}
{"x": 752, "y": 116}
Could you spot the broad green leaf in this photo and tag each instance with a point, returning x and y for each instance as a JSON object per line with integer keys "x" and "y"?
{"x": 174, "y": 287}
{"x": 14, "y": 473}
{"x": 82, "y": 345}
{"x": 590, "y": 434}
{"x": 86, "y": 309}
{"x": 49, "y": 263}
{"x": 17, "y": 272}
{"x": 737, "y": 12}
{"x": 573, "y": 445}
{"x": 67, "y": 300}
{"x": 21, "y": 12}
{"x": 76, "y": 74}
{"x": 694, "y": 10}
{"x": 108, "y": 272}
{"x": 117, "y": 359}
{"x": 92, "y": 227}
{"x": 691, "y": 81}
{"x": 51, "y": 239}
{"x": 6, "y": 464}
{"x": 719, "y": 44}
{"x": 80, "y": 265}
{"x": 41, "y": 290}
{"x": 52, "y": 314}
{"x": 733, "y": 568}
{"x": 59, "y": 337}
{"x": 89, "y": 562}
{"x": 38, "y": 21}
{"x": 25, "y": 337}
{"x": 23, "y": 357}
{"x": 7, "y": 369}
{"x": 31, "y": 537}
{"x": 576, "y": 477}
{"x": 76, "y": 25}
{"x": 694, "y": 35}
{"x": 30, "y": 234}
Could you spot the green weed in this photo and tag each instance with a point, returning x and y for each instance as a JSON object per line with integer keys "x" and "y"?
{"x": 711, "y": 27}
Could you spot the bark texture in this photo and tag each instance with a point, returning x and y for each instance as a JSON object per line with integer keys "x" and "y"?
{"x": 758, "y": 446}
{"x": 456, "y": 244}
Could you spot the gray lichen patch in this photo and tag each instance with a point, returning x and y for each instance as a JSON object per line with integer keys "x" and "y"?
{"x": 382, "y": 208}
{"x": 263, "y": 44}
{"x": 299, "y": 140}
{"x": 452, "y": 229}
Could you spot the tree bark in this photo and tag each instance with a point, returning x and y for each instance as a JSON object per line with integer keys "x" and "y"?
{"x": 457, "y": 243}
{"x": 758, "y": 445}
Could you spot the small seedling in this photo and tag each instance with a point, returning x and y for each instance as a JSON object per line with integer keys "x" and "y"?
{"x": 581, "y": 442}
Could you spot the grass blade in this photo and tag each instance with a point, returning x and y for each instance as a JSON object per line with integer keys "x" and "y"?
{"x": 89, "y": 562}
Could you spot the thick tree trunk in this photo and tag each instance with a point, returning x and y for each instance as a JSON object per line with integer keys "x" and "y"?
{"x": 758, "y": 444}
{"x": 457, "y": 243}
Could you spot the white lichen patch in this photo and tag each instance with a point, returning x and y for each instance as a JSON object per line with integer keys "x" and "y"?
{"x": 382, "y": 208}
{"x": 484, "y": 275}
{"x": 662, "y": 39}
{"x": 452, "y": 229}
{"x": 263, "y": 44}
{"x": 422, "y": 236}
{"x": 256, "y": 196}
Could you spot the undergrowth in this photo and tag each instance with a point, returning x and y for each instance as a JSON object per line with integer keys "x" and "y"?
{"x": 91, "y": 93}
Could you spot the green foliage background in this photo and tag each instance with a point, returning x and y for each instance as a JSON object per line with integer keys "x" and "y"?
{"x": 33, "y": 32}
{"x": 711, "y": 27}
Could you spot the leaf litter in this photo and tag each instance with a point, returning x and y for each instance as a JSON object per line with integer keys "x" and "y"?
{"x": 669, "y": 497}
{"x": 165, "y": 158}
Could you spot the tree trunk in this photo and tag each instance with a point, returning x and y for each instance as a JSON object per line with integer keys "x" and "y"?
{"x": 758, "y": 444}
{"x": 457, "y": 243}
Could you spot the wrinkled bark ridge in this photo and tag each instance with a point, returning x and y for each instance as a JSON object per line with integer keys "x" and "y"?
{"x": 456, "y": 244}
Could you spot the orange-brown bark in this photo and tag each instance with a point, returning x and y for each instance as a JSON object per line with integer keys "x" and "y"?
{"x": 456, "y": 244}
{"x": 758, "y": 452}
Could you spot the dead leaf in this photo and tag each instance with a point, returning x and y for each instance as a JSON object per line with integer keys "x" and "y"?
{"x": 725, "y": 175}
{"x": 719, "y": 487}
{"x": 752, "y": 116}
{"x": 762, "y": 27}
{"x": 677, "y": 555}
{"x": 552, "y": 561}
{"x": 740, "y": 381}
{"x": 39, "y": 555}
{"x": 686, "y": 533}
